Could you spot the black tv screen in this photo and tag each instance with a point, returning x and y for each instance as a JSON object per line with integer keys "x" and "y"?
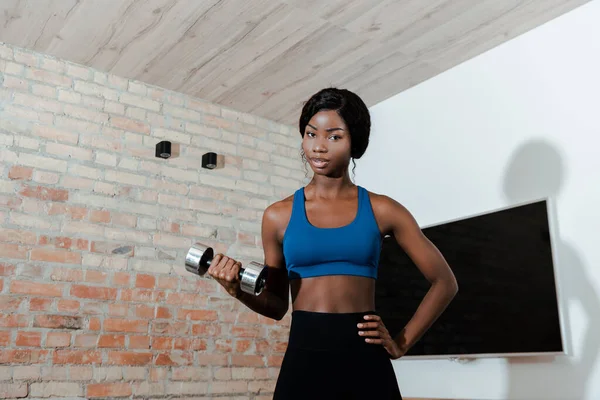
{"x": 507, "y": 300}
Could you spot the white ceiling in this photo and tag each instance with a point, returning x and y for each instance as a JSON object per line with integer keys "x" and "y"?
{"x": 266, "y": 57}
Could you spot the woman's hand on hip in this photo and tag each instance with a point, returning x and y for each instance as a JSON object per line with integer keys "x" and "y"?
{"x": 375, "y": 332}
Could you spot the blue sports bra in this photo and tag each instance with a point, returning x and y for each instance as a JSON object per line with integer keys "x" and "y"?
{"x": 352, "y": 249}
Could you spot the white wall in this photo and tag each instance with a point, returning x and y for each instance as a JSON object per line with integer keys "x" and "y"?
{"x": 519, "y": 122}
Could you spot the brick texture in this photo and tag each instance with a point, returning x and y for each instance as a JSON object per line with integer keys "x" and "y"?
{"x": 95, "y": 301}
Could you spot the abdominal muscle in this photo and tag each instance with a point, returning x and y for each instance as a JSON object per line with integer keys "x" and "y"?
{"x": 333, "y": 294}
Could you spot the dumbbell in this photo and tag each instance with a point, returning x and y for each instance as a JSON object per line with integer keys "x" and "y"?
{"x": 253, "y": 277}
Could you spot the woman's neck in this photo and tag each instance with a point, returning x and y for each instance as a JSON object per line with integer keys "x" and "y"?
{"x": 327, "y": 187}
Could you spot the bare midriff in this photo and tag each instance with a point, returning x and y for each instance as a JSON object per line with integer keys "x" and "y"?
{"x": 333, "y": 294}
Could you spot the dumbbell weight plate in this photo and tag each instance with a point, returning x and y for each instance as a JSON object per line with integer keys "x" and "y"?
{"x": 253, "y": 278}
{"x": 198, "y": 259}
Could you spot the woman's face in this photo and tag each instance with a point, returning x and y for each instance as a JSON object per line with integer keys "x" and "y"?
{"x": 326, "y": 144}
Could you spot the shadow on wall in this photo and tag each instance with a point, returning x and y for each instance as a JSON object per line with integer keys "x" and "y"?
{"x": 536, "y": 170}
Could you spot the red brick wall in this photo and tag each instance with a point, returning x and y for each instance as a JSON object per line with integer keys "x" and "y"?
{"x": 94, "y": 297}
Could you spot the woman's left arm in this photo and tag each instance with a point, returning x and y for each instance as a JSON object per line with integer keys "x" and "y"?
{"x": 397, "y": 221}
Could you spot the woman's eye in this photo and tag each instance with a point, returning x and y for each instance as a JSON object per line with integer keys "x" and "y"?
{"x": 310, "y": 134}
{"x": 334, "y": 137}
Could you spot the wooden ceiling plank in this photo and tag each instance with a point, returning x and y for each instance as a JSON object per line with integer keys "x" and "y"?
{"x": 32, "y": 24}
{"x": 220, "y": 27}
{"x": 279, "y": 31}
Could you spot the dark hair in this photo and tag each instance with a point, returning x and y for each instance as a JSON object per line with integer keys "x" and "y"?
{"x": 350, "y": 108}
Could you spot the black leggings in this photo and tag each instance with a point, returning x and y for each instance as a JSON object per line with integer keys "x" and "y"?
{"x": 327, "y": 359}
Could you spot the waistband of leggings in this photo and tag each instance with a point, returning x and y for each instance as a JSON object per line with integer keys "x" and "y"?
{"x": 327, "y": 331}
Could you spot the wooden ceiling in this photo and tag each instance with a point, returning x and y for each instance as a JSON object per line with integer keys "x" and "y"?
{"x": 266, "y": 57}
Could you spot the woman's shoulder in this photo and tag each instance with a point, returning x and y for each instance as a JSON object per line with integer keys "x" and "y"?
{"x": 383, "y": 204}
{"x": 376, "y": 199}
{"x": 279, "y": 212}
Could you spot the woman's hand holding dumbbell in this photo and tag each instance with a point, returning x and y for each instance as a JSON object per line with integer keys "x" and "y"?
{"x": 236, "y": 279}
{"x": 226, "y": 271}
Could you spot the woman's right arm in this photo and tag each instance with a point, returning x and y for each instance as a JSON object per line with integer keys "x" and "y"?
{"x": 273, "y": 302}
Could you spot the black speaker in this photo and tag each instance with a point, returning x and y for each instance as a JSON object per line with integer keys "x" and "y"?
{"x": 209, "y": 160}
{"x": 163, "y": 149}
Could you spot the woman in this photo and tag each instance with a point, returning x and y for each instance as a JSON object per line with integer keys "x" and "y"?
{"x": 324, "y": 242}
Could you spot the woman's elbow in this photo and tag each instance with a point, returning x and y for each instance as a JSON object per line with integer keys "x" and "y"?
{"x": 279, "y": 316}
{"x": 452, "y": 285}
{"x": 279, "y": 312}
{"x": 448, "y": 282}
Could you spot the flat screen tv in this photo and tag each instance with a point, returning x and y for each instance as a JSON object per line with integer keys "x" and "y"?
{"x": 507, "y": 303}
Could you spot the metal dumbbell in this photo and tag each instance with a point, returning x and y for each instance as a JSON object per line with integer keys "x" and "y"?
{"x": 253, "y": 277}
